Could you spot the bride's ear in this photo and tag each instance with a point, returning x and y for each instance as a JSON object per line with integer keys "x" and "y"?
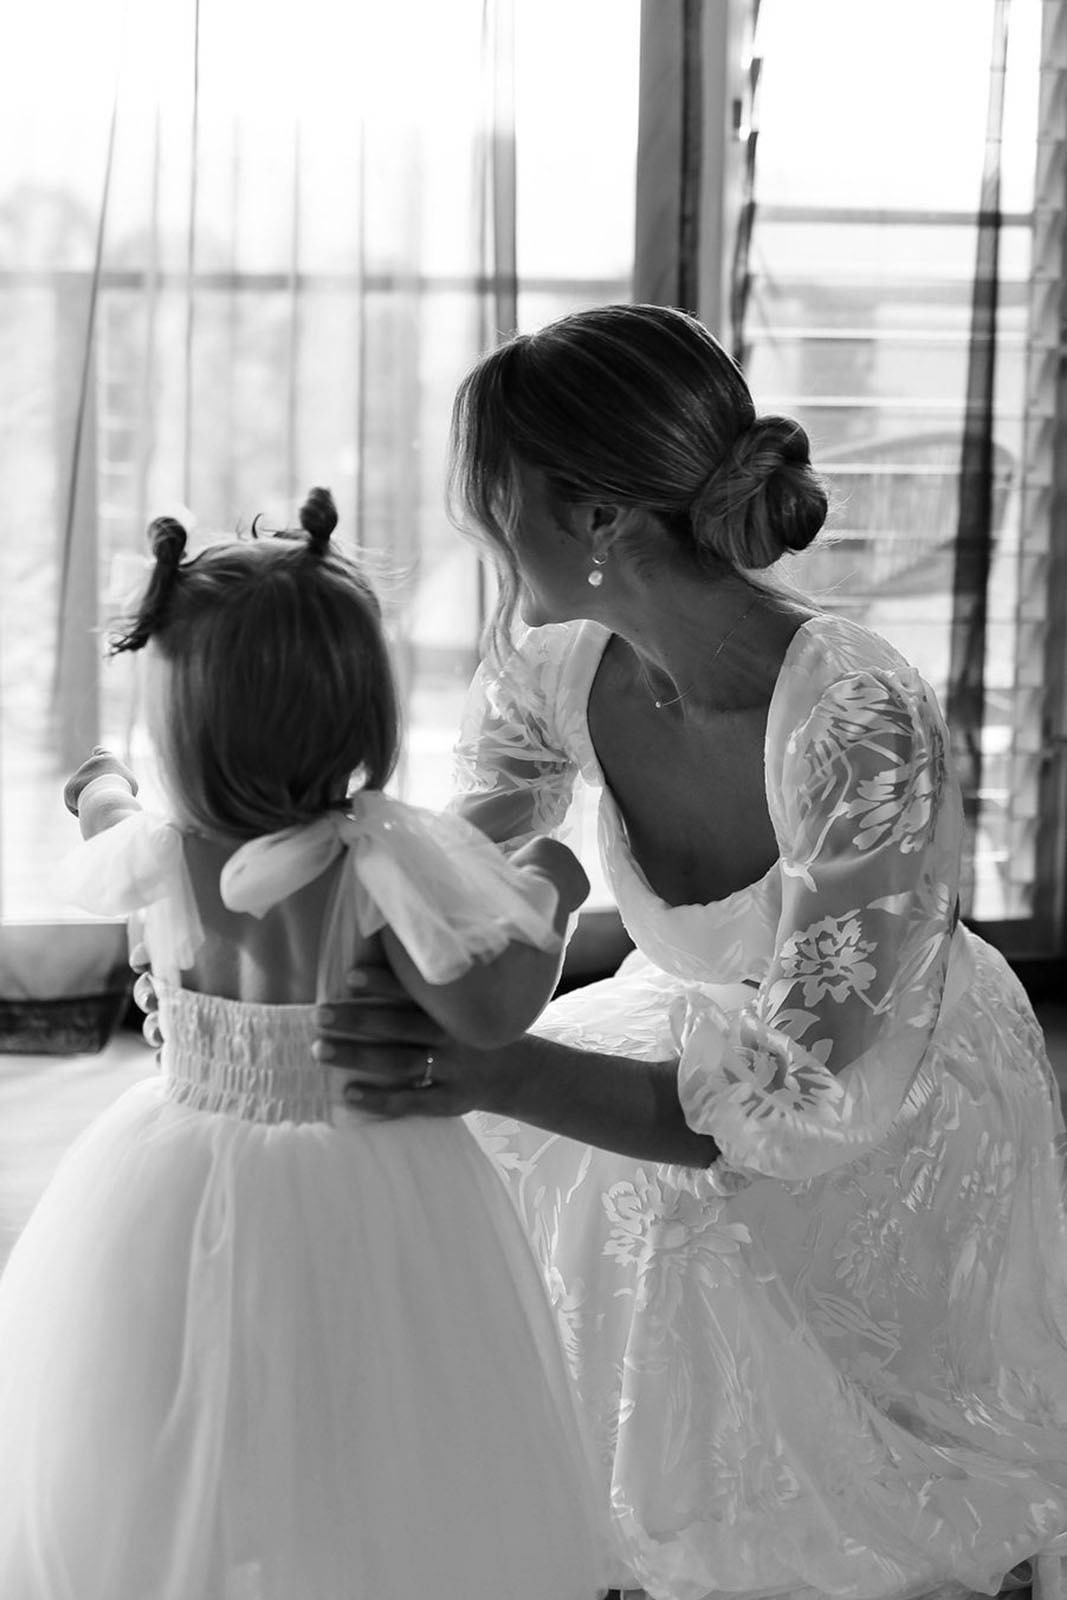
{"x": 600, "y": 523}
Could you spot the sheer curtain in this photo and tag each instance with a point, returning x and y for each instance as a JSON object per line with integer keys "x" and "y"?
{"x": 249, "y": 248}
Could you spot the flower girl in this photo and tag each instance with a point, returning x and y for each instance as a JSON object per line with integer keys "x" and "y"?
{"x": 254, "y": 1346}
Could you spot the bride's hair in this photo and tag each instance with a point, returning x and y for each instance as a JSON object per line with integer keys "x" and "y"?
{"x": 276, "y": 684}
{"x": 635, "y": 405}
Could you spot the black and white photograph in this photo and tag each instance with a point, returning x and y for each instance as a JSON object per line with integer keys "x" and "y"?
{"x": 533, "y": 800}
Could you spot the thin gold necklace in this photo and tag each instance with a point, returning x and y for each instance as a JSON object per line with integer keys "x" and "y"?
{"x": 664, "y": 705}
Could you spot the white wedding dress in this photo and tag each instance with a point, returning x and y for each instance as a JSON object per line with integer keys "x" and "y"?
{"x": 835, "y": 1363}
{"x": 256, "y": 1347}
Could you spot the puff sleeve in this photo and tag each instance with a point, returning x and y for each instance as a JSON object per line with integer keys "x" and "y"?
{"x": 869, "y": 821}
{"x": 446, "y": 891}
{"x": 139, "y": 866}
{"x": 514, "y": 778}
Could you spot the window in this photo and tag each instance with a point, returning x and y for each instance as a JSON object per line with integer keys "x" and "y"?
{"x": 859, "y": 320}
{"x": 249, "y": 249}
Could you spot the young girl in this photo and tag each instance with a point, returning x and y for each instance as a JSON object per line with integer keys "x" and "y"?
{"x": 252, "y": 1346}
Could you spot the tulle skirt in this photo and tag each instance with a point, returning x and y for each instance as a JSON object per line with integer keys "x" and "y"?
{"x": 242, "y": 1361}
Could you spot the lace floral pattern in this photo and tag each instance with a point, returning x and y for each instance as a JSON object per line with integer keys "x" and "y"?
{"x": 836, "y": 1362}
{"x": 514, "y": 779}
{"x": 868, "y": 823}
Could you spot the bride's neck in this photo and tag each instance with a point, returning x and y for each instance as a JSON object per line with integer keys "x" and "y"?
{"x": 714, "y": 645}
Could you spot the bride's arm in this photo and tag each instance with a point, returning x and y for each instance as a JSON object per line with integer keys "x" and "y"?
{"x": 378, "y": 1041}
{"x": 615, "y": 1102}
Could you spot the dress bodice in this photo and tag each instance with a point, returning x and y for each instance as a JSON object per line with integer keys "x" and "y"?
{"x": 843, "y": 946}
{"x": 246, "y": 1060}
{"x": 525, "y": 740}
{"x": 448, "y": 896}
{"x": 728, "y": 940}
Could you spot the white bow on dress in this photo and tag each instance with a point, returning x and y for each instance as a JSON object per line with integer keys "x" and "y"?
{"x": 450, "y": 896}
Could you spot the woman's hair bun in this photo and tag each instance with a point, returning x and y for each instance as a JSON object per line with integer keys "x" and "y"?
{"x": 763, "y": 499}
{"x": 168, "y": 540}
{"x": 318, "y": 518}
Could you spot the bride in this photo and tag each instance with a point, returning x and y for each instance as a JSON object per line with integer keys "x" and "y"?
{"x": 795, "y": 1174}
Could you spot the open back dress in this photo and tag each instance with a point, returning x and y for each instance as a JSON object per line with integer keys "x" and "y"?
{"x": 835, "y": 1362}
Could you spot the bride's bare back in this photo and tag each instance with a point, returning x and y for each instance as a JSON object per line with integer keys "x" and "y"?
{"x": 706, "y": 831}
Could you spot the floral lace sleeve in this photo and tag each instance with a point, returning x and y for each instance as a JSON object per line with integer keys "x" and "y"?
{"x": 869, "y": 823}
{"x": 513, "y": 779}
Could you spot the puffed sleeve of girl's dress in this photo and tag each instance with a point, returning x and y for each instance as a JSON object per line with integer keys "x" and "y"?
{"x": 869, "y": 824}
{"x": 514, "y": 779}
{"x": 138, "y": 866}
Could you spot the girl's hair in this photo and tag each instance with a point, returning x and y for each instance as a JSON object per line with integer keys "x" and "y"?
{"x": 278, "y": 685}
{"x": 636, "y": 406}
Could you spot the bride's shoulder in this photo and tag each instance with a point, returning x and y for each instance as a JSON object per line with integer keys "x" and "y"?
{"x": 555, "y": 645}
{"x": 826, "y": 648}
{"x": 837, "y": 671}
{"x": 547, "y": 663}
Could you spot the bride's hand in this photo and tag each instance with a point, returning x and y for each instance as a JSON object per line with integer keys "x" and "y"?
{"x": 144, "y": 994}
{"x": 393, "y": 1059}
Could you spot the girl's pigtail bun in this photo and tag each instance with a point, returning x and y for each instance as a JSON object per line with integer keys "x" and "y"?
{"x": 168, "y": 539}
{"x": 318, "y": 518}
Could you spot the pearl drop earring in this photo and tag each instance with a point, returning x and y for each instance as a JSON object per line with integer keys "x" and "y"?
{"x": 596, "y": 577}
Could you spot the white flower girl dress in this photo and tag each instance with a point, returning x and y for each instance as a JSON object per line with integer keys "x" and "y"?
{"x": 256, "y": 1347}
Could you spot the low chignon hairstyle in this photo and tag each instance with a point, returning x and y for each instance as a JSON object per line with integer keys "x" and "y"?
{"x": 277, "y": 684}
{"x": 635, "y": 405}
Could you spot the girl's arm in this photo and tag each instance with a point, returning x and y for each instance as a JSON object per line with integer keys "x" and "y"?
{"x": 514, "y": 779}
{"x": 496, "y": 1000}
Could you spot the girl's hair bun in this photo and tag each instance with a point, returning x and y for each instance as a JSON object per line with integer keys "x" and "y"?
{"x": 318, "y": 518}
{"x": 763, "y": 499}
{"x": 168, "y": 540}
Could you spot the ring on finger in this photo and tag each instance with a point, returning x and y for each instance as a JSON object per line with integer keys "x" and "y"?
{"x": 426, "y": 1080}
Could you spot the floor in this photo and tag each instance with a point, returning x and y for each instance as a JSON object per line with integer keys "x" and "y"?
{"x": 45, "y": 1102}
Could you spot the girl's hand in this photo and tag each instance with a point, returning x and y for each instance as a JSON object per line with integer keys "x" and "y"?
{"x": 101, "y": 764}
{"x": 554, "y": 861}
{"x": 394, "y": 1060}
